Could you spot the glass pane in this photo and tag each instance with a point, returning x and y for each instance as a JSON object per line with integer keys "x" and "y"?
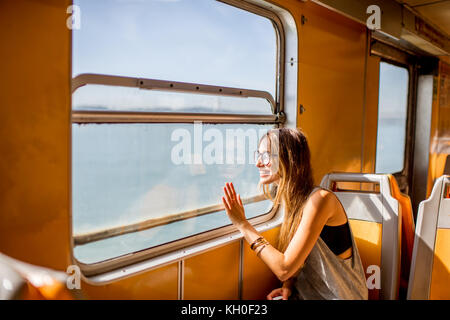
{"x": 114, "y": 98}
{"x": 392, "y": 117}
{"x": 199, "y": 41}
{"x": 128, "y": 173}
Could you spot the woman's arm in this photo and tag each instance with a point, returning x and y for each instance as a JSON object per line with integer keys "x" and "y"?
{"x": 284, "y": 265}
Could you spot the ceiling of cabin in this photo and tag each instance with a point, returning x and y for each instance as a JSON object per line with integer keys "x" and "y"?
{"x": 436, "y": 12}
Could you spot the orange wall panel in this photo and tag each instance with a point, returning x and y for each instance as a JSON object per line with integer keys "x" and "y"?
{"x": 158, "y": 284}
{"x": 440, "y": 125}
{"x": 213, "y": 275}
{"x": 371, "y": 114}
{"x": 257, "y": 279}
{"x": 440, "y": 276}
{"x": 368, "y": 239}
{"x": 35, "y": 132}
{"x": 332, "y": 53}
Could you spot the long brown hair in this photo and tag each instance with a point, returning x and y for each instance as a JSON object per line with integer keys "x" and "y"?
{"x": 296, "y": 178}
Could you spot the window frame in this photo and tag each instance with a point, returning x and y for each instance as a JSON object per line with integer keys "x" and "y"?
{"x": 110, "y": 116}
{"x": 408, "y": 57}
{"x": 284, "y": 25}
{"x": 404, "y": 169}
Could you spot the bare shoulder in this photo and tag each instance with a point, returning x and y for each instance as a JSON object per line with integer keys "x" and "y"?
{"x": 325, "y": 203}
{"x": 322, "y": 198}
{"x": 320, "y": 202}
{"x": 328, "y": 202}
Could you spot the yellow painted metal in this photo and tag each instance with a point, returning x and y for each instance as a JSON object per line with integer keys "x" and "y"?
{"x": 440, "y": 276}
{"x": 371, "y": 114}
{"x": 406, "y": 229}
{"x": 440, "y": 124}
{"x": 445, "y": 59}
{"x": 368, "y": 239}
{"x": 332, "y": 53}
{"x": 161, "y": 283}
{"x": 213, "y": 275}
{"x": 258, "y": 280}
{"x": 35, "y": 132}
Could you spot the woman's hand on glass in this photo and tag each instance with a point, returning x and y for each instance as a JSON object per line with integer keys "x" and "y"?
{"x": 233, "y": 205}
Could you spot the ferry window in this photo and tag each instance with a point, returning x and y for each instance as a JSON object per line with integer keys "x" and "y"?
{"x": 131, "y": 173}
{"x": 152, "y": 177}
{"x": 392, "y": 118}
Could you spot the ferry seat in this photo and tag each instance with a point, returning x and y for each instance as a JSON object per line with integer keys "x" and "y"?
{"x": 429, "y": 277}
{"x": 407, "y": 234}
{"x": 24, "y": 281}
{"x": 375, "y": 221}
{"x": 447, "y": 165}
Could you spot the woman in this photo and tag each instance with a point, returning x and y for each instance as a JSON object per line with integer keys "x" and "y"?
{"x": 316, "y": 256}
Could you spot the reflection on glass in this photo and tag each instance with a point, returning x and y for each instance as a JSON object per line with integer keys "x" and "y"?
{"x": 128, "y": 173}
{"x": 392, "y": 116}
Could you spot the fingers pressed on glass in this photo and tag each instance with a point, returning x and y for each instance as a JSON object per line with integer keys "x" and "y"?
{"x": 230, "y": 193}
{"x": 233, "y": 192}
{"x": 227, "y": 206}
{"x": 233, "y": 196}
{"x": 227, "y": 194}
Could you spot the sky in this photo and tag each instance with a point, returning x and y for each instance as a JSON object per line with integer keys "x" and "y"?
{"x": 200, "y": 41}
{"x": 393, "y": 91}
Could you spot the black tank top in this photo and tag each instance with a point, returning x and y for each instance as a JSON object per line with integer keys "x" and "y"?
{"x": 337, "y": 238}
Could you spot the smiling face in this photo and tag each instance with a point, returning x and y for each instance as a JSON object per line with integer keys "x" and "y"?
{"x": 267, "y": 173}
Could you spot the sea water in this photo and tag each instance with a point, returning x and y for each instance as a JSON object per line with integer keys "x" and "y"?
{"x": 124, "y": 173}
